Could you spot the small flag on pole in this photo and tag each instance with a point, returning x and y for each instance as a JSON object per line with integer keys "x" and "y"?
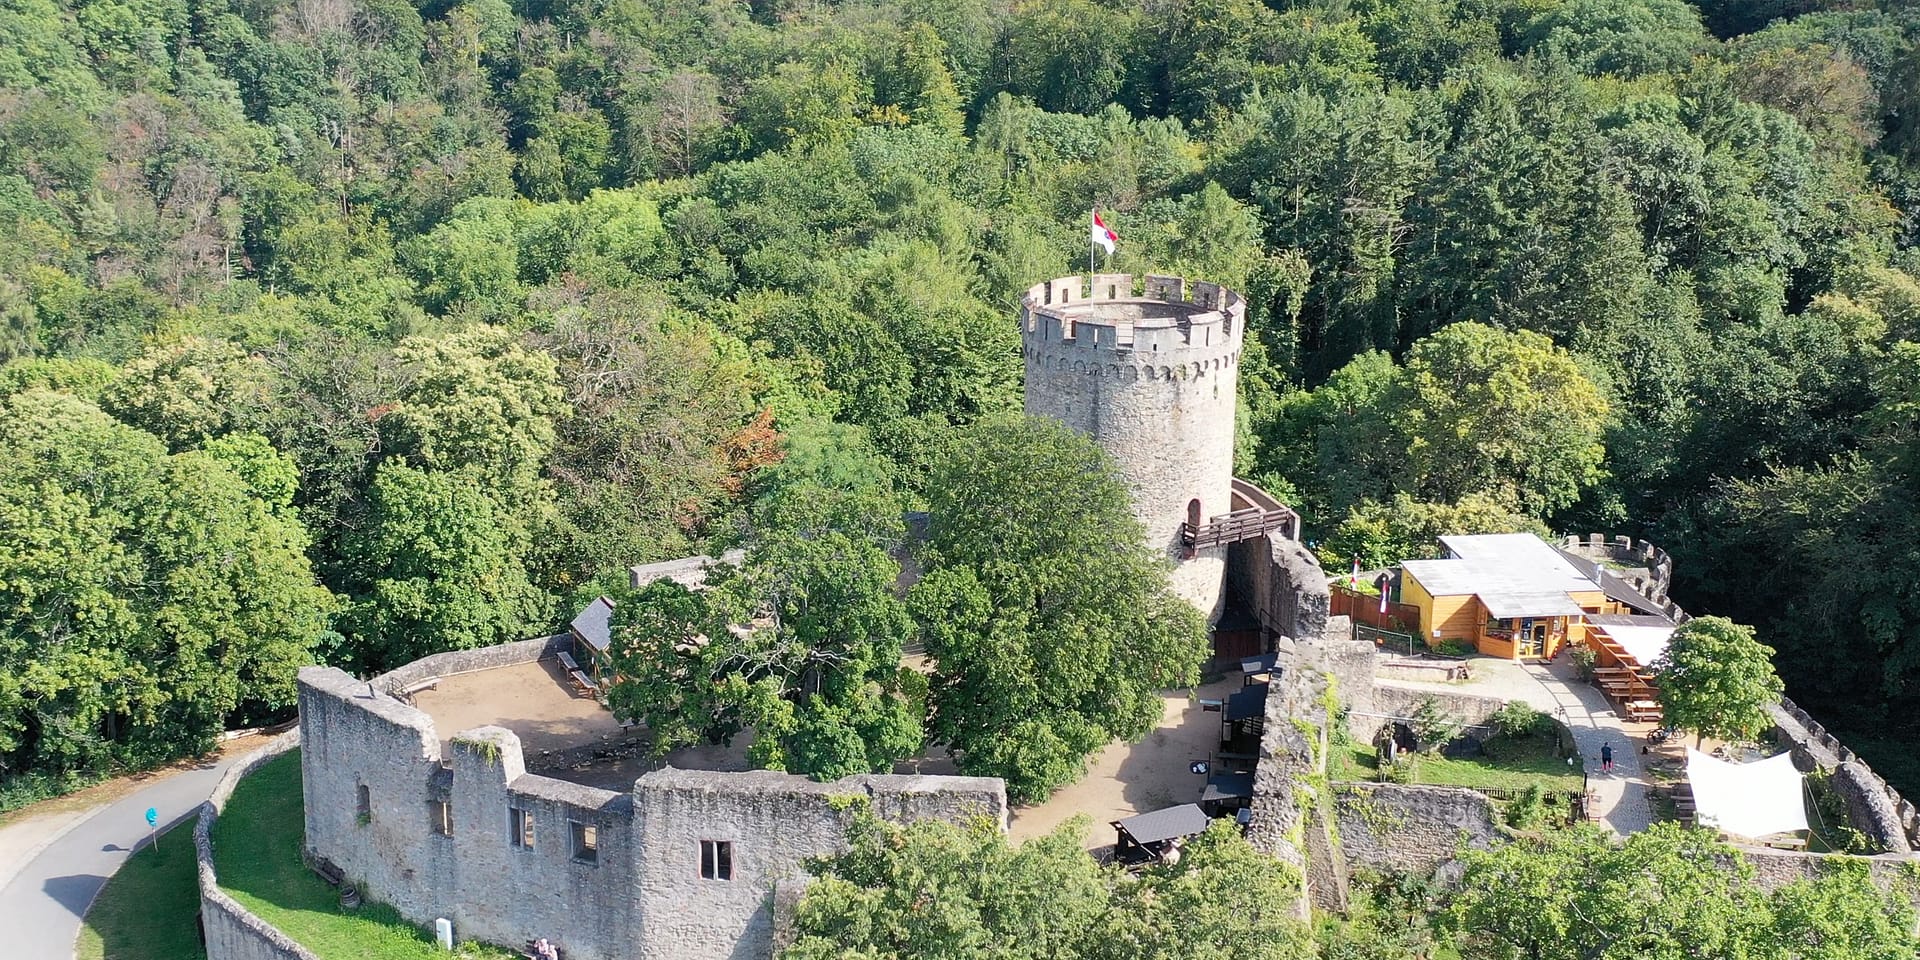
{"x": 1101, "y": 236}
{"x": 1353, "y": 580}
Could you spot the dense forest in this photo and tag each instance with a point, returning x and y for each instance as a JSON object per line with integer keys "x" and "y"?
{"x": 352, "y": 330}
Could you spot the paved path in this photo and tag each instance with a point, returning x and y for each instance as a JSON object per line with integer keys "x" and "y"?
{"x": 45, "y": 892}
{"x": 1620, "y": 797}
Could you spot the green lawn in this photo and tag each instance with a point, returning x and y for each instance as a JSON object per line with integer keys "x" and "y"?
{"x": 256, "y": 851}
{"x": 1511, "y": 764}
{"x": 146, "y": 911}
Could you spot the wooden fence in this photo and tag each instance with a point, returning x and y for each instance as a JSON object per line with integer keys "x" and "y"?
{"x": 1365, "y": 610}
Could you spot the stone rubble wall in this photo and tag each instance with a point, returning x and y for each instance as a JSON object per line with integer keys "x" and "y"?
{"x": 1875, "y": 807}
{"x": 1773, "y": 869}
{"x": 1626, "y": 550}
{"x": 232, "y": 931}
{"x": 1396, "y": 828}
{"x": 1289, "y": 816}
{"x": 1394, "y": 701}
{"x": 775, "y": 822}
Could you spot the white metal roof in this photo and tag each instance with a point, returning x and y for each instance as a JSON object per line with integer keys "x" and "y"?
{"x": 1513, "y": 574}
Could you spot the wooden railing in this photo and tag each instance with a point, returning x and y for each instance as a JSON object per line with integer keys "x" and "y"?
{"x": 1237, "y": 526}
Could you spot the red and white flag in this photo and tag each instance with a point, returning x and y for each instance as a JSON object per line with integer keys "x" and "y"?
{"x": 1101, "y": 236}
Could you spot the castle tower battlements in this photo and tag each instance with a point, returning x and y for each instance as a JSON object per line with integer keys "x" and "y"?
{"x": 1147, "y": 367}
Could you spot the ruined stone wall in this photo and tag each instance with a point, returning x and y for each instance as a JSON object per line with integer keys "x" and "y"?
{"x": 1873, "y": 805}
{"x": 353, "y": 738}
{"x": 1394, "y": 828}
{"x": 637, "y": 894}
{"x": 456, "y": 662}
{"x": 1773, "y": 869}
{"x": 1387, "y": 700}
{"x": 1153, "y": 380}
{"x": 1626, "y": 550}
{"x": 509, "y": 893}
{"x": 1284, "y": 586}
{"x": 1291, "y": 812}
{"x": 774, "y": 823}
{"x": 232, "y": 931}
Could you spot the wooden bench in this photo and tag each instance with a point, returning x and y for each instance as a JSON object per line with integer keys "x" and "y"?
{"x": 328, "y": 871}
{"x": 1644, "y": 711}
{"x": 1788, "y": 843}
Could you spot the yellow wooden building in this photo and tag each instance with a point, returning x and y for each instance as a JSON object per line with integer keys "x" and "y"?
{"x": 1509, "y": 595}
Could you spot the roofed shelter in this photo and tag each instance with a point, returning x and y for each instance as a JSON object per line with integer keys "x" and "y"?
{"x": 1507, "y": 594}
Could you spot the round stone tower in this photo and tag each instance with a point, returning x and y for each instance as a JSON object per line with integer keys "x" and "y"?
{"x": 1151, "y": 376}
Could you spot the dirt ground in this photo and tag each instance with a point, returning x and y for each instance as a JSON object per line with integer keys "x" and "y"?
{"x": 538, "y": 704}
{"x": 1129, "y": 778}
{"x": 533, "y": 700}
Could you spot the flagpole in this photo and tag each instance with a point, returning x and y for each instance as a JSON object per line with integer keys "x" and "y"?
{"x": 1096, "y": 212}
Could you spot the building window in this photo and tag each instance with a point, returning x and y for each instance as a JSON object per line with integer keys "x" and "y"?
{"x": 363, "y": 805}
{"x": 520, "y": 827}
{"x": 716, "y": 859}
{"x": 586, "y": 841}
{"x": 440, "y": 817}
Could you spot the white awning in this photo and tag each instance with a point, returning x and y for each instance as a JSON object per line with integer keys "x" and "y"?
{"x": 1644, "y": 644}
{"x": 1747, "y": 799}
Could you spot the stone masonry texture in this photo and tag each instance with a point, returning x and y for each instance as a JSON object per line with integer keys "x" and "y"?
{"x": 1152, "y": 379}
{"x": 640, "y": 895}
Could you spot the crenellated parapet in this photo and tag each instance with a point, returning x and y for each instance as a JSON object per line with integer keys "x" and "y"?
{"x": 1144, "y": 328}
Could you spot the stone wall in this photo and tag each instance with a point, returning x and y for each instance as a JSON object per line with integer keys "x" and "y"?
{"x": 456, "y": 662}
{"x": 1388, "y": 700}
{"x": 1628, "y": 551}
{"x": 233, "y": 932}
{"x": 1291, "y": 815}
{"x": 638, "y": 893}
{"x": 1874, "y": 806}
{"x": 1153, "y": 379}
{"x": 1773, "y": 869}
{"x": 1283, "y": 585}
{"x": 1395, "y": 828}
{"x": 774, "y": 823}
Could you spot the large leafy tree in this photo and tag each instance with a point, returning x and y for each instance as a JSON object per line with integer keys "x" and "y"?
{"x": 931, "y": 889}
{"x": 438, "y": 565}
{"x": 802, "y": 644}
{"x": 1667, "y": 893}
{"x": 1717, "y": 680}
{"x": 1508, "y": 414}
{"x": 1050, "y": 626}
{"x": 146, "y": 597}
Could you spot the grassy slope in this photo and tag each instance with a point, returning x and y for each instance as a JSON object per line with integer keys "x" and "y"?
{"x": 146, "y": 911}
{"x": 256, "y": 845}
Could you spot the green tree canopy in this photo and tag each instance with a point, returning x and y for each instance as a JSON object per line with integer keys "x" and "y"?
{"x": 146, "y": 597}
{"x": 1050, "y": 627}
{"x": 1717, "y": 680}
{"x": 932, "y": 889}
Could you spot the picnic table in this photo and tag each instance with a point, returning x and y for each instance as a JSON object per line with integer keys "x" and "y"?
{"x": 581, "y": 682}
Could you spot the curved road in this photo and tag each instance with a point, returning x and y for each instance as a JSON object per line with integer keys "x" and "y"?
{"x": 41, "y": 904}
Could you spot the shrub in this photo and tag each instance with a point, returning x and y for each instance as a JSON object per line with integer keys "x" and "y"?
{"x": 1433, "y": 725}
{"x": 1528, "y": 809}
{"x": 1517, "y": 719}
{"x": 1583, "y": 661}
{"x": 1403, "y": 770}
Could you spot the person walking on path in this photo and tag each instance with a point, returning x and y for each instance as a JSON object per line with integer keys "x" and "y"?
{"x": 1606, "y": 757}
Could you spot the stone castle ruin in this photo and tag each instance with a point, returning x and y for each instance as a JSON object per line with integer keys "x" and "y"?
{"x": 1149, "y": 368}
{"x": 449, "y": 823}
